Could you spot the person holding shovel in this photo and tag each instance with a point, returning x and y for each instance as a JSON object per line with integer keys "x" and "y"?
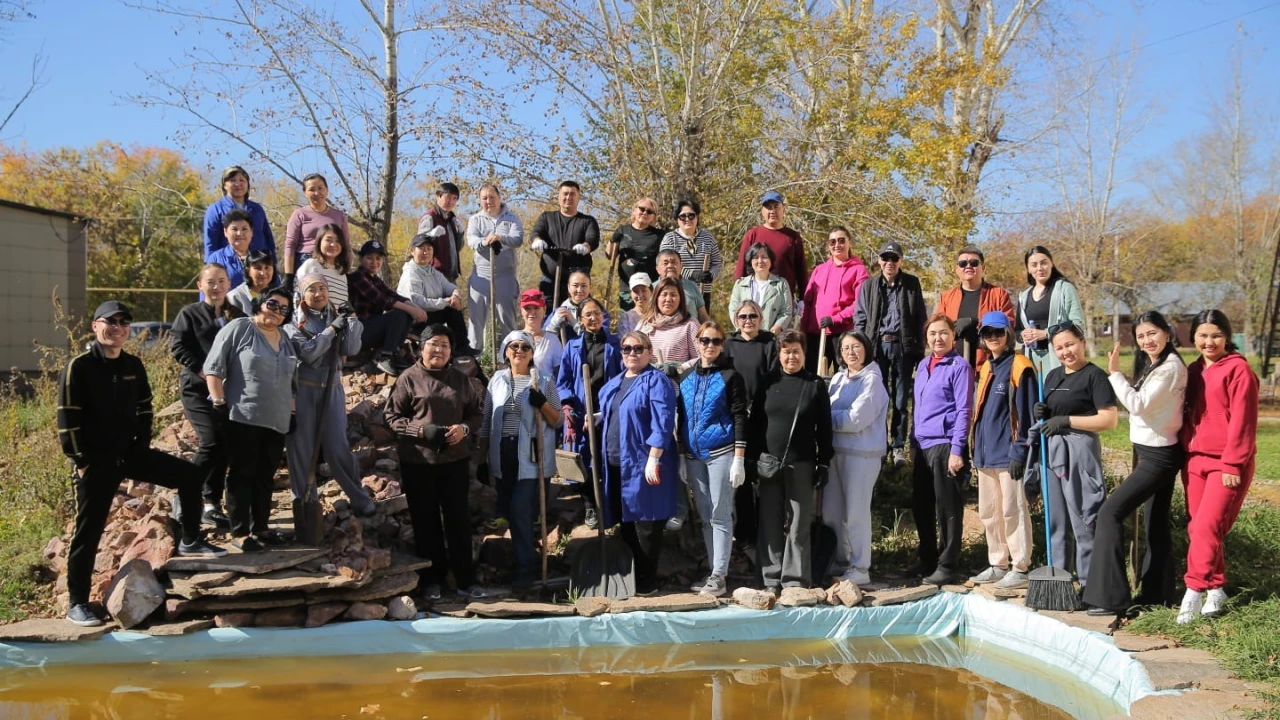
{"x": 598, "y": 350}
{"x": 509, "y": 438}
{"x": 638, "y": 408}
{"x": 493, "y": 234}
{"x": 321, "y": 335}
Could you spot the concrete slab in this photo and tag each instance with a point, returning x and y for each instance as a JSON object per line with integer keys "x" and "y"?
{"x": 1181, "y": 668}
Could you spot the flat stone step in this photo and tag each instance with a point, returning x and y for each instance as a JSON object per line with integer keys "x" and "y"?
{"x": 380, "y": 589}
{"x": 880, "y": 598}
{"x": 253, "y": 563}
{"x": 287, "y": 580}
{"x": 664, "y": 603}
{"x": 51, "y": 630}
{"x": 510, "y": 609}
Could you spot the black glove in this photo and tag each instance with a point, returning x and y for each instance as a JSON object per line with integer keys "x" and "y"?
{"x": 482, "y": 474}
{"x": 820, "y": 476}
{"x": 339, "y": 323}
{"x": 222, "y": 412}
{"x": 629, "y": 264}
{"x": 705, "y": 277}
{"x": 347, "y": 309}
{"x": 287, "y": 283}
{"x": 1041, "y": 411}
{"x": 1056, "y": 425}
{"x": 672, "y": 369}
{"x": 825, "y": 322}
{"x": 963, "y": 324}
{"x": 495, "y": 249}
{"x": 1017, "y": 469}
{"x": 293, "y": 423}
{"x": 536, "y": 398}
{"x": 434, "y": 434}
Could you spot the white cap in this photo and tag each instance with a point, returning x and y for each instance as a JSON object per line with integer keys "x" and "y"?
{"x": 640, "y": 280}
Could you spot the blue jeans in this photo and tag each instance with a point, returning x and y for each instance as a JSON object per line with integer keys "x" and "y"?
{"x": 898, "y": 371}
{"x": 518, "y": 503}
{"x": 714, "y": 495}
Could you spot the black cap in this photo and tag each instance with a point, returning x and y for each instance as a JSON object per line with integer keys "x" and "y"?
{"x": 419, "y": 240}
{"x": 435, "y": 330}
{"x": 111, "y": 308}
{"x": 891, "y": 248}
{"x": 373, "y": 246}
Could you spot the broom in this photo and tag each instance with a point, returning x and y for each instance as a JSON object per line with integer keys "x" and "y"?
{"x": 1048, "y": 588}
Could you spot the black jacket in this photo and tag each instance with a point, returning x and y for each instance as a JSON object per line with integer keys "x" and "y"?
{"x": 866, "y": 319}
{"x": 754, "y": 359}
{"x": 104, "y": 407}
{"x": 192, "y": 335}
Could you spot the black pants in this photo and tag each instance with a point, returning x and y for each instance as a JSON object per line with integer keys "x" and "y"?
{"x": 434, "y": 491}
{"x": 644, "y": 537}
{"x": 254, "y": 454}
{"x": 811, "y": 351}
{"x": 386, "y": 332}
{"x": 898, "y": 372}
{"x": 745, "y": 520}
{"x": 937, "y": 504}
{"x": 97, "y": 489}
{"x": 1151, "y": 482}
{"x": 211, "y": 458}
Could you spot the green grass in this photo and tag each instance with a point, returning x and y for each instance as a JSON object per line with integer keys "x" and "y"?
{"x": 1268, "y": 464}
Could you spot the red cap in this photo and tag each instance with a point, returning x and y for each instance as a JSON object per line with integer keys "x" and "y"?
{"x": 531, "y": 297}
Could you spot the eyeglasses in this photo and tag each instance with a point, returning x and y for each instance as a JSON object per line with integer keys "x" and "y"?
{"x": 751, "y": 316}
{"x": 275, "y": 306}
{"x": 687, "y": 217}
{"x": 113, "y": 322}
{"x": 711, "y": 341}
{"x": 519, "y": 347}
{"x": 968, "y": 263}
{"x": 645, "y": 210}
{"x": 633, "y": 349}
{"x": 889, "y": 258}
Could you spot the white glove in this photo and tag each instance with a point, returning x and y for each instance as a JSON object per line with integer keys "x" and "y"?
{"x": 538, "y": 245}
{"x": 437, "y": 231}
{"x": 596, "y": 419}
{"x": 505, "y": 229}
{"x": 738, "y": 471}
{"x": 651, "y": 470}
{"x": 582, "y": 249}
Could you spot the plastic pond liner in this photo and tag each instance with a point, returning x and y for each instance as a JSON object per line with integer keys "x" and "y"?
{"x": 947, "y": 656}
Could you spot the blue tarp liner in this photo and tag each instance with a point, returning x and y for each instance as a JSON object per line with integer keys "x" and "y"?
{"x": 1011, "y": 645}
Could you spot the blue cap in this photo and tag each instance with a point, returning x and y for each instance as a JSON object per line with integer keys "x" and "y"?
{"x": 372, "y": 246}
{"x": 995, "y": 319}
{"x": 771, "y": 197}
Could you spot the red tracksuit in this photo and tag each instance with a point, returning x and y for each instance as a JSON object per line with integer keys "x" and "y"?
{"x": 1219, "y": 432}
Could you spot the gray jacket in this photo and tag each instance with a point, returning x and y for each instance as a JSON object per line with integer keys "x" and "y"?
{"x": 312, "y": 341}
{"x": 258, "y": 381}
{"x": 507, "y": 226}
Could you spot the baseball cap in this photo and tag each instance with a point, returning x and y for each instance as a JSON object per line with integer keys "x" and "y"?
{"x": 372, "y": 246}
{"x": 891, "y": 248}
{"x": 994, "y": 319}
{"x": 771, "y": 197}
{"x": 639, "y": 280}
{"x": 532, "y": 298}
{"x": 112, "y": 308}
{"x": 419, "y": 240}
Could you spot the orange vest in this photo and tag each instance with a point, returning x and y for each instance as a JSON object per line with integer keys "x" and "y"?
{"x": 1020, "y": 365}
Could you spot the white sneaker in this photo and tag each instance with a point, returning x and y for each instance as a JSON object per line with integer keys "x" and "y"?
{"x": 990, "y": 575}
{"x": 1190, "y": 609}
{"x": 1213, "y": 602}
{"x": 1013, "y": 580}
{"x": 857, "y": 577}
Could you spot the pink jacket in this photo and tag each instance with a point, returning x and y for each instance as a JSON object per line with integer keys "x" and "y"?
{"x": 833, "y": 291}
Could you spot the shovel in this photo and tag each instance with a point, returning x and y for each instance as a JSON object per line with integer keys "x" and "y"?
{"x": 606, "y": 569}
{"x": 822, "y": 353}
{"x": 308, "y": 515}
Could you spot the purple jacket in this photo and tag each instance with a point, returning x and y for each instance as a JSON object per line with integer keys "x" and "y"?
{"x": 943, "y": 403}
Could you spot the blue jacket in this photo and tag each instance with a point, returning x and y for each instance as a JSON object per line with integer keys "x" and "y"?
{"x": 1002, "y": 411}
{"x": 226, "y": 257}
{"x": 214, "y": 239}
{"x": 648, "y": 418}
{"x": 943, "y": 403}
{"x": 712, "y": 410}
{"x": 570, "y": 385}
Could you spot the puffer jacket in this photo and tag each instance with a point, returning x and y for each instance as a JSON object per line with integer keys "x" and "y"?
{"x": 859, "y": 404}
{"x": 712, "y": 410}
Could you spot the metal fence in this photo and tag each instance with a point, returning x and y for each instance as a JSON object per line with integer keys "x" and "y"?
{"x": 147, "y": 304}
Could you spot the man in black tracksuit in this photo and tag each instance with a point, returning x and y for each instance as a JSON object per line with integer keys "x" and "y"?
{"x": 565, "y": 238}
{"x": 104, "y": 425}
{"x": 891, "y": 312}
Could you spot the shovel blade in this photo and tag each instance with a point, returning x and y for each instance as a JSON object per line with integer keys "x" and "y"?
{"x": 604, "y": 572}
{"x": 308, "y": 522}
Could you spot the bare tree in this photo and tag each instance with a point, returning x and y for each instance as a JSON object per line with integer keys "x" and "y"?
{"x": 288, "y": 82}
{"x": 12, "y": 11}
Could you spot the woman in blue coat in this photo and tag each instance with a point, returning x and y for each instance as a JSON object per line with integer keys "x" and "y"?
{"x": 596, "y": 348}
{"x": 235, "y": 196}
{"x": 641, "y": 460}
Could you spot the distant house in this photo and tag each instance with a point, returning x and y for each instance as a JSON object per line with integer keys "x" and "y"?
{"x": 44, "y": 251}
{"x": 1179, "y": 302}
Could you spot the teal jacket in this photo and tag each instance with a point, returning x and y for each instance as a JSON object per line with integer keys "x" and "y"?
{"x": 1064, "y": 305}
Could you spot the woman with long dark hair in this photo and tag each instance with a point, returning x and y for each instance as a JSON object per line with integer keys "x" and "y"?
{"x": 1220, "y": 435}
{"x": 1048, "y": 302}
{"x": 1154, "y": 398}
{"x": 332, "y": 259}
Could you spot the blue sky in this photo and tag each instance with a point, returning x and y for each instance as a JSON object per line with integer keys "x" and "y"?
{"x": 97, "y": 50}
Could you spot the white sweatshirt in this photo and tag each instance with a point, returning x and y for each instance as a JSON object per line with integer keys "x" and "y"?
{"x": 1155, "y": 409}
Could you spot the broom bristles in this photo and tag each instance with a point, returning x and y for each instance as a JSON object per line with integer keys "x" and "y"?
{"x": 1051, "y": 588}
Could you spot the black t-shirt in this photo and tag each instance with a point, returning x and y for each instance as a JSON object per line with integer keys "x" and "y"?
{"x": 1082, "y": 392}
{"x": 1038, "y": 310}
{"x": 969, "y": 309}
{"x": 637, "y": 251}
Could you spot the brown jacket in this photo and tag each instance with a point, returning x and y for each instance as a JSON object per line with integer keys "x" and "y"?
{"x": 425, "y": 397}
{"x": 990, "y": 298}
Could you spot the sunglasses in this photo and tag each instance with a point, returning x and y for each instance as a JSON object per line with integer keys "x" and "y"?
{"x": 519, "y": 347}
{"x": 1064, "y": 327}
{"x": 687, "y": 217}
{"x": 645, "y": 211}
{"x": 838, "y": 241}
{"x": 633, "y": 349}
{"x": 113, "y": 322}
{"x": 751, "y": 316}
{"x": 889, "y": 258}
{"x": 968, "y": 263}
{"x": 711, "y": 341}
{"x": 275, "y": 306}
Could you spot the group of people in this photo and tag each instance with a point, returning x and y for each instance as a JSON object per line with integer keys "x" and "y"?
{"x": 740, "y": 421}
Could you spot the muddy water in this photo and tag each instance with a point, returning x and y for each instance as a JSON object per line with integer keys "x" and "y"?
{"x": 786, "y": 680}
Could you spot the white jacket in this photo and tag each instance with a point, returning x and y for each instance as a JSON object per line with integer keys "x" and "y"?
{"x": 1155, "y": 409}
{"x": 425, "y": 286}
{"x": 859, "y": 404}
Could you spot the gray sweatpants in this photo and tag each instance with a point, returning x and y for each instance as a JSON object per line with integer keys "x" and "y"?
{"x": 784, "y": 556}
{"x": 478, "y": 299}
{"x": 1077, "y": 489}
{"x": 337, "y": 451}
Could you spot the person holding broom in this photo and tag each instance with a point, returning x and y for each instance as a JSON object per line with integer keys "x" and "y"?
{"x": 509, "y": 438}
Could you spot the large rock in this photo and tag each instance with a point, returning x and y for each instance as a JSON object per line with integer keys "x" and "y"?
{"x": 665, "y": 603}
{"x": 507, "y": 609}
{"x": 51, "y": 630}
{"x": 234, "y": 619}
{"x": 591, "y": 606}
{"x": 281, "y": 617}
{"x": 801, "y": 597}
{"x": 402, "y": 608}
{"x": 254, "y": 563}
{"x": 844, "y": 593}
{"x": 393, "y": 505}
{"x": 365, "y": 611}
{"x": 902, "y": 595}
{"x": 380, "y": 589}
{"x": 287, "y": 580}
{"x": 322, "y": 613}
{"x": 754, "y": 599}
{"x": 134, "y": 594}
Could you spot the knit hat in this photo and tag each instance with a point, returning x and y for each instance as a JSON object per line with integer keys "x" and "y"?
{"x": 308, "y": 280}
{"x": 514, "y": 336}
